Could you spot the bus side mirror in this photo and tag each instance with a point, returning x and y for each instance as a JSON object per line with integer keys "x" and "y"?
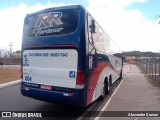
{"x": 93, "y": 27}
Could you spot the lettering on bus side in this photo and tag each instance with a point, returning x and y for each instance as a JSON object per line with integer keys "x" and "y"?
{"x": 48, "y": 54}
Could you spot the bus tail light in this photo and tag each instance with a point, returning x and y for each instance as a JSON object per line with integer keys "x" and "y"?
{"x": 80, "y": 77}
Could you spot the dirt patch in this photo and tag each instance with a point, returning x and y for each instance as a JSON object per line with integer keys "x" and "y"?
{"x": 9, "y": 74}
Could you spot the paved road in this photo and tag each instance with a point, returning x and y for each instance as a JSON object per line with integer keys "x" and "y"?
{"x": 12, "y": 100}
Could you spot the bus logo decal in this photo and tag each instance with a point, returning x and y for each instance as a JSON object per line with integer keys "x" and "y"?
{"x": 46, "y": 20}
{"x": 26, "y": 60}
{"x": 72, "y": 74}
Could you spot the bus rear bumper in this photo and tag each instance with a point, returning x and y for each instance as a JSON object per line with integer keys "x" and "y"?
{"x": 68, "y": 99}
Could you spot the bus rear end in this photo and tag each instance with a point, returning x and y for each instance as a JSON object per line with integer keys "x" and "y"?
{"x": 51, "y": 70}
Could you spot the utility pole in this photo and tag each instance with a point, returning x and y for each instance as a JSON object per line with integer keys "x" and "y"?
{"x": 10, "y": 54}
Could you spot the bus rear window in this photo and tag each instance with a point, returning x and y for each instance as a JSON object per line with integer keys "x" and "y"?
{"x": 56, "y": 22}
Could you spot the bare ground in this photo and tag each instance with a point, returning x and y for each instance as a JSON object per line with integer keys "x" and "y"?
{"x": 8, "y": 74}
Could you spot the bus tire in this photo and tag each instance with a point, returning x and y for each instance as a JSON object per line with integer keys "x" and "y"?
{"x": 109, "y": 84}
{"x": 120, "y": 75}
{"x": 105, "y": 89}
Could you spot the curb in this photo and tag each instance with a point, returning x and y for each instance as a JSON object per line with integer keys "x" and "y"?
{"x": 9, "y": 83}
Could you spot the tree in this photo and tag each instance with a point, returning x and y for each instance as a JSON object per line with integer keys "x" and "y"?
{"x": 16, "y": 54}
{"x": 6, "y": 55}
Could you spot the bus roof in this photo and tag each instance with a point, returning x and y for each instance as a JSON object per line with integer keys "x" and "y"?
{"x": 57, "y": 8}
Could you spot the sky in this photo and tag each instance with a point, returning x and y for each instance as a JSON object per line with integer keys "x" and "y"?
{"x": 132, "y": 24}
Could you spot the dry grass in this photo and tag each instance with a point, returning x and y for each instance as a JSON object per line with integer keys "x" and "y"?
{"x": 155, "y": 83}
{"x": 9, "y": 74}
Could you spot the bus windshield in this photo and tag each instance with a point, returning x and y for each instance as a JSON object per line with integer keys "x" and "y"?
{"x": 55, "y": 22}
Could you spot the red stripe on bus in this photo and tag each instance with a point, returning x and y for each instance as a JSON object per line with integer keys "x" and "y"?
{"x": 94, "y": 79}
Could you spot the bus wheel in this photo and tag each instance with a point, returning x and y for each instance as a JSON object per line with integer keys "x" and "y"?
{"x": 110, "y": 83}
{"x": 120, "y": 75}
{"x": 105, "y": 89}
